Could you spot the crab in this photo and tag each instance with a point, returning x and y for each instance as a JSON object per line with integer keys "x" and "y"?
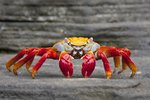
{"x": 74, "y": 48}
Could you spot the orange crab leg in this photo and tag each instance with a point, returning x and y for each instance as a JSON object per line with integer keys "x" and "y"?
{"x": 117, "y": 58}
{"x": 126, "y": 60}
{"x": 88, "y": 65}
{"x": 106, "y": 64}
{"x": 28, "y": 64}
{"x": 17, "y": 57}
{"x": 116, "y": 63}
{"x": 38, "y": 64}
{"x": 65, "y": 64}
{"x": 40, "y": 51}
{"x": 130, "y": 63}
{"x": 124, "y": 66}
{"x": 23, "y": 61}
{"x": 49, "y": 54}
{"x": 30, "y": 55}
{"x": 115, "y": 52}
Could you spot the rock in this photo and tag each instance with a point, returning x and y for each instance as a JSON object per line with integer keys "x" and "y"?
{"x": 38, "y": 23}
{"x": 49, "y": 83}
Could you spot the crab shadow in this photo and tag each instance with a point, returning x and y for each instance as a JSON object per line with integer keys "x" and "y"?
{"x": 60, "y": 76}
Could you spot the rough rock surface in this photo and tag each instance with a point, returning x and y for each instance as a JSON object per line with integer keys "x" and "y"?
{"x": 50, "y": 83}
{"x": 35, "y": 23}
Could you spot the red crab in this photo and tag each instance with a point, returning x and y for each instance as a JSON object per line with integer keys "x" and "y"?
{"x": 70, "y": 48}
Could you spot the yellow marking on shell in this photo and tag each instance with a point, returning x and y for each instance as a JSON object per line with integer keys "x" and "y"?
{"x": 78, "y": 41}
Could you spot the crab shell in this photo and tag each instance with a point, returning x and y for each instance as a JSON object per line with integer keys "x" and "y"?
{"x": 77, "y": 47}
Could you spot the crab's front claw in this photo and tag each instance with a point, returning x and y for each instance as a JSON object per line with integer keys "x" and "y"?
{"x": 65, "y": 64}
{"x": 88, "y": 65}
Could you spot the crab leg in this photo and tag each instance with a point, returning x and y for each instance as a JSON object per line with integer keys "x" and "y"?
{"x": 106, "y": 64}
{"x": 28, "y": 64}
{"x": 17, "y": 57}
{"x": 130, "y": 63}
{"x": 48, "y": 54}
{"x": 116, "y": 63}
{"x": 21, "y": 62}
{"x": 115, "y": 52}
{"x": 124, "y": 66}
{"x": 65, "y": 64}
{"x": 88, "y": 65}
{"x": 117, "y": 59}
{"x": 30, "y": 55}
{"x": 126, "y": 61}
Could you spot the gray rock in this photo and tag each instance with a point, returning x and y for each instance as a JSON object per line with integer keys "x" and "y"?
{"x": 49, "y": 83}
{"x": 131, "y": 35}
{"x": 38, "y": 23}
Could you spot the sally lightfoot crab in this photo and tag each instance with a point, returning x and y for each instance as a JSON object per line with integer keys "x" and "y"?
{"x": 78, "y": 48}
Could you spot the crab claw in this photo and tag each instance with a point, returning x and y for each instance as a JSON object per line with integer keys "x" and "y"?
{"x": 88, "y": 65}
{"x": 65, "y": 64}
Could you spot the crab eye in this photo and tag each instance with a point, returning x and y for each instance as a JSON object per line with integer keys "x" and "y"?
{"x": 69, "y": 43}
{"x": 87, "y": 42}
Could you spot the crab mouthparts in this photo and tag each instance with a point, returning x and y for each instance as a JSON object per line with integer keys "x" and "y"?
{"x": 77, "y": 53}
